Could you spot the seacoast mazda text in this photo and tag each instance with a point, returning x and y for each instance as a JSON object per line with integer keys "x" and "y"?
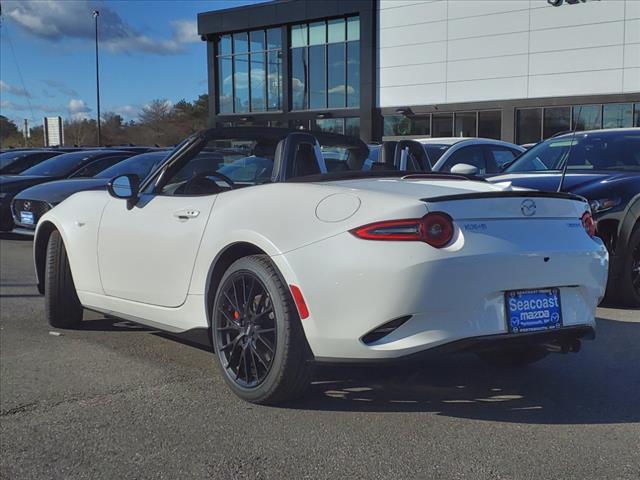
{"x": 291, "y": 249}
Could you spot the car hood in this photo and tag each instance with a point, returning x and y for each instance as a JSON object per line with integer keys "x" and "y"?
{"x": 14, "y": 183}
{"x": 578, "y": 183}
{"x": 56, "y": 192}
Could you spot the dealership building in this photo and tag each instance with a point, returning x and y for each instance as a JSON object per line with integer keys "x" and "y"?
{"x": 516, "y": 70}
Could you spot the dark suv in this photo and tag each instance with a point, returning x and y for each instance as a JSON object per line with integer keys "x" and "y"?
{"x": 604, "y": 167}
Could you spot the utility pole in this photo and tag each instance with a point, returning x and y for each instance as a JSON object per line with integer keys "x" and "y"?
{"x": 96, "y": 13}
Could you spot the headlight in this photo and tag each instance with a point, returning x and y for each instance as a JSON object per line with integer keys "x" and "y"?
{"x": 603, "y": 204}
{"x": 3, "y": 194}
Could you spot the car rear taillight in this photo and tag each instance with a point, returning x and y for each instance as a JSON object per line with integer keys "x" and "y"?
{"x": 588, "y": 224}
{"x": 434, "y": 228}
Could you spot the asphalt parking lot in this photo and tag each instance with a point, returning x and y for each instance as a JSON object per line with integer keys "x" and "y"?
{"x": 113, "y": 400}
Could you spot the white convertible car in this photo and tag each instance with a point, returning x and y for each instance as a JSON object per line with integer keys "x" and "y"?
{"x": 288, "y": 256}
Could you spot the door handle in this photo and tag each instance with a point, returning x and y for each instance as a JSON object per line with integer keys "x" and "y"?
{"x": 186, "y": 214}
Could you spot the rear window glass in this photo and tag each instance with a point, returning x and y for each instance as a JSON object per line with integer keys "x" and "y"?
{"x": 59, "y": 166}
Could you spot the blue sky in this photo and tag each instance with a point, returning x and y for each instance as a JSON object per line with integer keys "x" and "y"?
{"x": 149, "y": 50}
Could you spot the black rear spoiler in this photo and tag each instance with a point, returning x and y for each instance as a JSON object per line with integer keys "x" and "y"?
{"x": 510, "y": 194}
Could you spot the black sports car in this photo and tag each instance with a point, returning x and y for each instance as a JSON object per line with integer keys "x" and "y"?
{"x": 30, "y": 204}
{"x": 76, "y": 164}
{"x": 604, "y": 167}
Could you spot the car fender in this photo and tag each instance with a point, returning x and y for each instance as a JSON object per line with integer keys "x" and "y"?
{"x": 630, "y": 219}
{"x": 77, "y": 219}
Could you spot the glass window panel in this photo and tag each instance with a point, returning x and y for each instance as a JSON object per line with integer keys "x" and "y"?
{"x": 274, "y": 38}
{"x": 490, "y": 124}
{"x": 353, "y": 28}
{"x": 317, "y": 33}
{"x": 240, "y": 42}
{"x": 241, "y": 77}
{"x": 336, "y": 74}
{"x": 336, "y": 30}
{"x": 391, "y": 125}
{"x": 617, "y": 115}
{"x": 258, "y": 86}
{"x": 636, "y": 115}
{"x": 333, "y": 125}
{"x": 528, "y": 125}
{"x": 299, "y": 35}
{"x": 299, "y": 78}
{"x": 317, "y": 79}
{"x": 257, "y": 40}
{"x": 398, "y": 125}
{"x": 587, "y": 117}
{"x": 556, "y": 120}
{"x": 352, "y": 126}
{"x": 465, "y": 125}
{"x": 224, "y": 45}
{"x": 274, "y": 80}
{"x": 353, "y": 74}
{"x": 225, "y": 85}
{"x": 443, "y": 125}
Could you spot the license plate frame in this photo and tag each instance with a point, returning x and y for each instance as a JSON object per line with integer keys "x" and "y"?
{"x": 534, "y": 310}
{"x": 27, "y": 218}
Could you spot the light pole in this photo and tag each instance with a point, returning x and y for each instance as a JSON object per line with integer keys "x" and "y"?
{"x": 96, "y": 13}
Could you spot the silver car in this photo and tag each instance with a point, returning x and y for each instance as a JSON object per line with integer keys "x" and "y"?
{"x": 471, "y": 156}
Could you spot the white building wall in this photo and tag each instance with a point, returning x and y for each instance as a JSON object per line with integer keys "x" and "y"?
{"x": 450, "y": 51}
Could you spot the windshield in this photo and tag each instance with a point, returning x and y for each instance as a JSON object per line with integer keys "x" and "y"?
{"x": 435, "y": 151}
{"x": 592, "y": 151}
{"x": 140, "y": 165}
{"x": 59, "y": 166}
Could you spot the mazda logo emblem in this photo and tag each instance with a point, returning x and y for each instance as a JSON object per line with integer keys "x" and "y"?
{"x": 26, "y": 205}
{"x": 528, "y": 207}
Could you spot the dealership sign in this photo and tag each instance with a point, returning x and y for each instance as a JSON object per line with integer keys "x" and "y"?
{"x": 557, "y": 3}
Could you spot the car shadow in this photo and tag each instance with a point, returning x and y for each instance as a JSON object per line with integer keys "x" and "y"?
{"x": 198, "y": 339}
{"x": 15, "y": 236}
{"x": 599, "y": 385}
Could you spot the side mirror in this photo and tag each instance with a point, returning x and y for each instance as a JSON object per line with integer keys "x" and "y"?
{"x": 464, "y": 169}
{"x": 125, "y": 187}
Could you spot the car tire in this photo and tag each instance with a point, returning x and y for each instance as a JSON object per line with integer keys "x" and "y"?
{"x": 627, "y": 286}
{"x": 257, "y": 335}
{"x": 516, "y": 357}
{"x": 62, "y": 306}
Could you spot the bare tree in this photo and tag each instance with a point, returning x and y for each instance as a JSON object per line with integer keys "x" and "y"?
{"x": 80, "y": 132}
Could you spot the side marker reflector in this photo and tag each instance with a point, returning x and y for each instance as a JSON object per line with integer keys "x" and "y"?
{"x": 303, "y": 311}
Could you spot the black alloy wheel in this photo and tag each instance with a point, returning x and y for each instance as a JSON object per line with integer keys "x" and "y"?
{"x": 246, "y": 331}
{"x": 257, "y": 334}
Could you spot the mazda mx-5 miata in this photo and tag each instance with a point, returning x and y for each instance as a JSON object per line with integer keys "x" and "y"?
{"x": 296, "y": 263}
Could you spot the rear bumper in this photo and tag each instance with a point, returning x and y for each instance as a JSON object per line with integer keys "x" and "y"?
{"x": 450, "y": 295}
{"x": 551, "y": 340}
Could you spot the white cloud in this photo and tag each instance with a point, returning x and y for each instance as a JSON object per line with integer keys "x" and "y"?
{"x": 55, "y": 20}
{"x": 128, "y": 112}
{"x": 13, "y": 90}
{"x": 78, "y": 109}
{"x": 185, "y": 31}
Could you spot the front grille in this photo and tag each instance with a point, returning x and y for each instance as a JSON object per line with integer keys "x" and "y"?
{"x": 36, "y": 207}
